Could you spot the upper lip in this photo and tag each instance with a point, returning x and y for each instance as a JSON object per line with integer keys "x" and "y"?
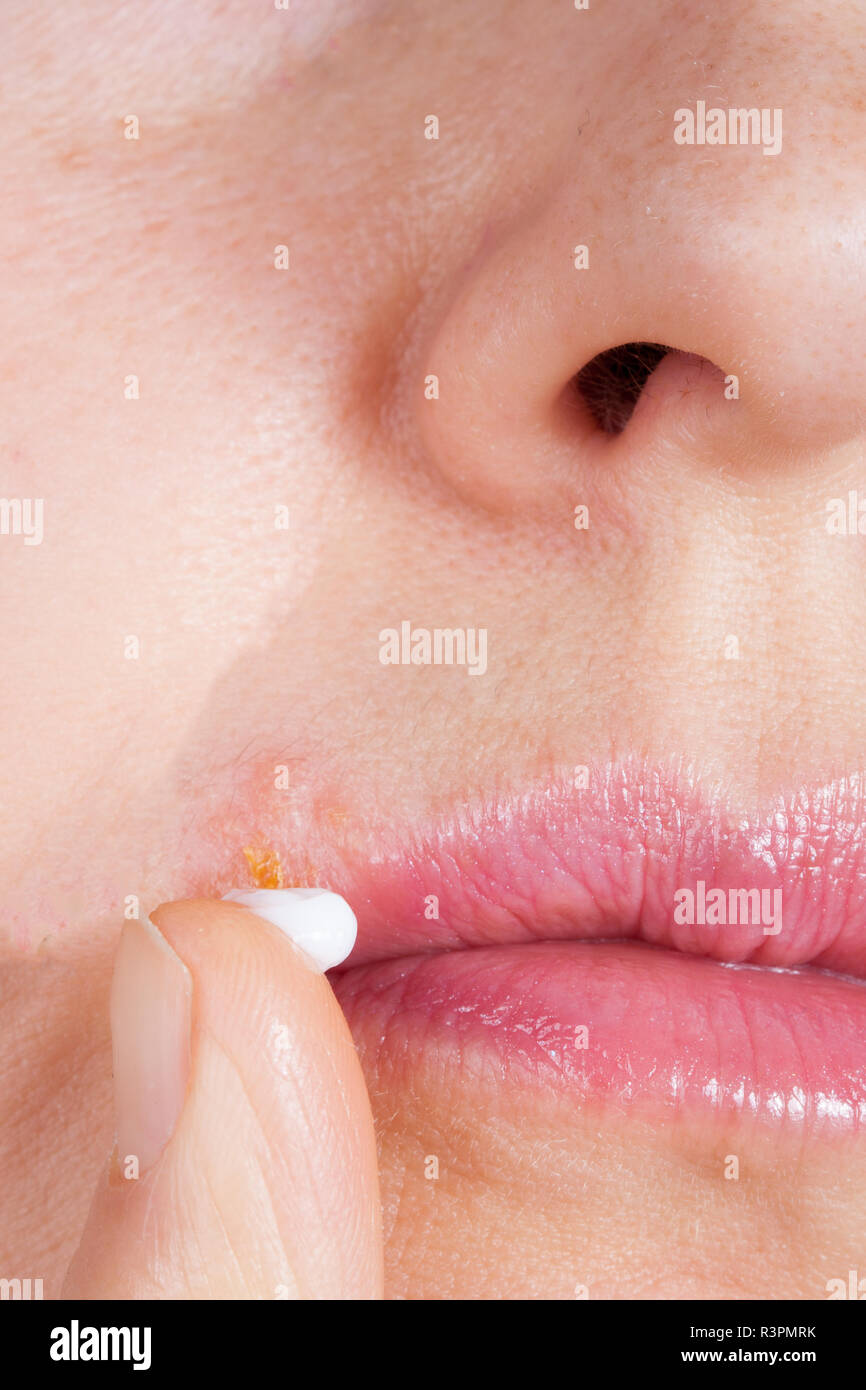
{"x": 604, "y": 861}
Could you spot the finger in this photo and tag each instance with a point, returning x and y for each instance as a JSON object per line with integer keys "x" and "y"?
{"x": 246, "y": 1161}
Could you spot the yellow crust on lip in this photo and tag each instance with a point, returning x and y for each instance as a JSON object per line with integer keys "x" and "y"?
{"x": 266, "y": 870}
{"x": 265, "y": 867}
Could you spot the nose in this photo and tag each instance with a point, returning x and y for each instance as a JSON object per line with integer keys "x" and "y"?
{"x": 665, "y": 300}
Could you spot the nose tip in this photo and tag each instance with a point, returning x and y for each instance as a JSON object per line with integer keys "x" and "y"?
{"x": 749, "y": 288}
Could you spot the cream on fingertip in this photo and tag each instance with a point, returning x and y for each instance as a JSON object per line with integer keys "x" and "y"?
{"x": 321, "y": 923}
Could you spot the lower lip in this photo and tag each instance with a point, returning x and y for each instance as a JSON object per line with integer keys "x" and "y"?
{"x": 628, "y": 1025}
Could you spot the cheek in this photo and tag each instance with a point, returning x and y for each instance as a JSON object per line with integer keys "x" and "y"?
{"x": 55, "y": 1064}
{"x": 311, "y": 27}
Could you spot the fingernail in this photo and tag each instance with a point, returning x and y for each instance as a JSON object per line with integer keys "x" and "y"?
{"x": 151, "y": 1010}
{"x": 322, "y": 924}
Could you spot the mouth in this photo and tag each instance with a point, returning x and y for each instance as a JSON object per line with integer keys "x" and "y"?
{"x": 623, "y": 934}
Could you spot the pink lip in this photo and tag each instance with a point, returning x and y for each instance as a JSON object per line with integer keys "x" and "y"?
{"x": 552, "y": 892}
{"x": 607, "y": 860}
{"x": 625, "y": 1027}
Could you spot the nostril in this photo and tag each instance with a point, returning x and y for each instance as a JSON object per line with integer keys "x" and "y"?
{"x": 610, "y": 385}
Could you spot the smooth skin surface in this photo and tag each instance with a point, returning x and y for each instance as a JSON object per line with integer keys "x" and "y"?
{"x": 261, "y": 389}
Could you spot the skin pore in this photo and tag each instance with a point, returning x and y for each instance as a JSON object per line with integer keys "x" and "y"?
{"x": 225, "y": 539}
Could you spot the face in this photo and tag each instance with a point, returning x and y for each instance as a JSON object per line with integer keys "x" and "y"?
{"x": 336, "y": 567}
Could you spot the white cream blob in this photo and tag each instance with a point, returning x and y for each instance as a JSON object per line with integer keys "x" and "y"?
{"x": 321, "y": 923}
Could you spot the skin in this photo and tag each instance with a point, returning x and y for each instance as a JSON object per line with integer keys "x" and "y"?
{"x": 262, "y": 388}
